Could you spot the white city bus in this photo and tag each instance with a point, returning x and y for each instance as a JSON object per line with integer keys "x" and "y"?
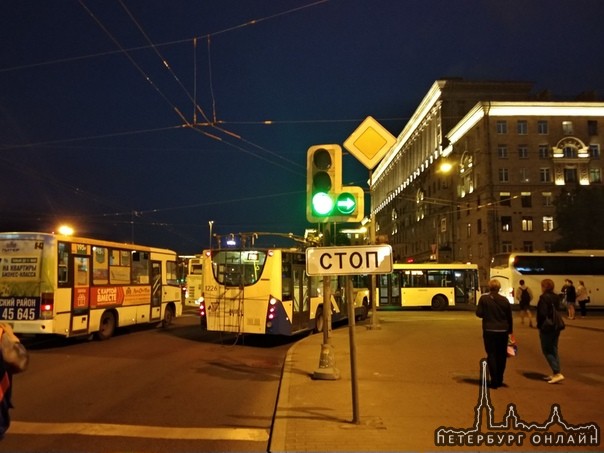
{"x": 434, "y": 285}
{"x": 71, "y": 286}
{"x": 265, "y": 291}
{"x": 584, "y": 265}
{"x": 194, "y": 281}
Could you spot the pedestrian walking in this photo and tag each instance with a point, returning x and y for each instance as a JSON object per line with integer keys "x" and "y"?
{"x": 582, "y": 298}
{"x": 570, "y": 297}
{"x": 497, "y": 325}
{"x": 550, "y": 324}
{"x": 524, "y": 295}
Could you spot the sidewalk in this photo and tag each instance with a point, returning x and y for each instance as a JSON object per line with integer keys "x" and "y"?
{"x": 406, "y": 394}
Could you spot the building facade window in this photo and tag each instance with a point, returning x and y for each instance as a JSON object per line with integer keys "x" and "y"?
{"x": 502, "y": 151}
{"x": 527, "y": 224}
{"x": 542, "y": 127}
{"x": 595, "y": 175}
{"x": 505, "y": 199}
{"x": 479, "y": 226}
{"x": 526, "y": 199}
{"x": 592, "y": 127}
{"x": 503, "y": 175}
{"x": 543, "y": 152}
{"x": 567, "y": 127}
{"x": 506, "y": 223}
{"x": 502, "y": 127}
{"x": 527, "y": 246}
{"x": 523, "y": 152}
{"x": 547, "y": 199}
{"x": 548, "y": 223}
{"x": 545, "y": 175}
{"x": 524, "y": 175}
{"x": 506, "y": 246}
{"x": 469, "y": 230}
{"x": 522, "y": 127}
{"x": 594, "y": 151}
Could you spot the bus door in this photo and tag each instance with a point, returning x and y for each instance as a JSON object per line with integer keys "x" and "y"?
{"x": 156, "y": 290}
{"x": 389, "y": 290}
{"x": 300, "y": 303}
{"x": 80, "y": 305}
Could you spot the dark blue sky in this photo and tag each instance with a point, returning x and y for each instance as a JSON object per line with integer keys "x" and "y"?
{"x": 93, "y": 124}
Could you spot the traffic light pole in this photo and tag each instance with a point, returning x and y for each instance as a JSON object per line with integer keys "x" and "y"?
{"x": 327, "y": 369}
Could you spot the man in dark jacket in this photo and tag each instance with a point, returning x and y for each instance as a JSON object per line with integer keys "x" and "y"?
{"x": 497, "y": 325}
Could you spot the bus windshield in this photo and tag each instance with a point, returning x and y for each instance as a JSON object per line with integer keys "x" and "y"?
{"x": 237, "y": 267}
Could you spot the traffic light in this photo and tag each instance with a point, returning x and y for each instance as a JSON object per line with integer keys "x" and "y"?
{"x": 326, "y": 199}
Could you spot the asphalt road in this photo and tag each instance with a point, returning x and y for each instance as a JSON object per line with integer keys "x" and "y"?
{"x": 147, "y": 389}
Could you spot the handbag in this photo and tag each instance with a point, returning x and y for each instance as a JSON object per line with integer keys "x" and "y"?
{"x": 553, "y": 322}
{"x": 512, "y": 346}
{"x": 14, "y": 354}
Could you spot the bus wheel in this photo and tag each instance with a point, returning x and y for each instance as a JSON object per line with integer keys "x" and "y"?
{"x": 168, "y": 317}
{"x": 439, "y": 303}
{"x": 319, "y": 320}
{"x": 107, "y": 326}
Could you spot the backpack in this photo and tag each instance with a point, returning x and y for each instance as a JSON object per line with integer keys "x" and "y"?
{"x": 525, "y": 297}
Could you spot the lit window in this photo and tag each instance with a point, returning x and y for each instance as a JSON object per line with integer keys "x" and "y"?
{"x": 595, "y": 175}
{"x": 506, "y": 223}
{"x": 548, "y": 223}
{"x": 527, "y": 224}
{"x": 567, "y": 127}
{"x": 505, "y": 199}
{"x": 526, "y": 200}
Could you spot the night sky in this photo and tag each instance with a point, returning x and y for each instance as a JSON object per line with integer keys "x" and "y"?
{"x": 98, "y": 99}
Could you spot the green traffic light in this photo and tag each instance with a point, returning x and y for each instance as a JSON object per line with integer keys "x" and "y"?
{"x": 322, "y": 204}
{"x": 346, "y": 203}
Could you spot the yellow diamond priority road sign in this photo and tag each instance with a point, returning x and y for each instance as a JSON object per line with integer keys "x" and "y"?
{"x": 369, "y": 142}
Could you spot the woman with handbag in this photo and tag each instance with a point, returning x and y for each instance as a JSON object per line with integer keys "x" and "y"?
{"x": 550, "y": 324}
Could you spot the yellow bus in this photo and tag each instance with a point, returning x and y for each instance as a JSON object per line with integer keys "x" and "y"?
{"x": 433, "y": 285}
{"x": 72, "y": 286}
{"x": 267, "y": 292}
{"x": 194, "y": 281}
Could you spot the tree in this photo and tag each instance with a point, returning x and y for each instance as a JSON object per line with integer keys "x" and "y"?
{"x": 580, "y": 218}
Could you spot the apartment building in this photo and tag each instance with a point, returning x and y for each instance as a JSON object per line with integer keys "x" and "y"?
{"x": 477, "y": 169}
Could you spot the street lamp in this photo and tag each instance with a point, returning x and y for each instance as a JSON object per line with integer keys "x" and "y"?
{"x": 211, "y": 223}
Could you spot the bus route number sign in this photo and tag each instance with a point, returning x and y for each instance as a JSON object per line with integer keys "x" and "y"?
{"x": 349, "y": 260}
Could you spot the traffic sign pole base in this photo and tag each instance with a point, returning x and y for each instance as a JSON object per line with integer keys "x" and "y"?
{"x": 327, "y": 370}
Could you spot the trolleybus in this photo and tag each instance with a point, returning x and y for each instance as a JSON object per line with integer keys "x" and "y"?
{"x": 576, "y": 265}
{"x": 438, "y": 286}
{"x": 71, "y": 286}
{"x": 265, "y": 291}
{"x": 194, "y": 281}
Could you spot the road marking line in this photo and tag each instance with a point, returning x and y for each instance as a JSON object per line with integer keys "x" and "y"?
{"x": 151, "y": 432}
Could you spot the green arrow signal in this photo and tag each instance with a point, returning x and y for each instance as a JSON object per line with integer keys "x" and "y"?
{"x": 346, "y": 203}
